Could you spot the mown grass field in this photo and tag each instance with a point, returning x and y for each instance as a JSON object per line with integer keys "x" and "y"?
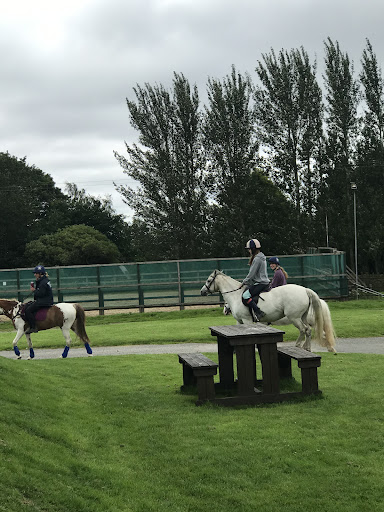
{"x": 115, "y": 434}
{"x": 350, "y": 319}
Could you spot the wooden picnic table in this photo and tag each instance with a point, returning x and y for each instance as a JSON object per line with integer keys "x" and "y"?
{"x": 242, "y": 340}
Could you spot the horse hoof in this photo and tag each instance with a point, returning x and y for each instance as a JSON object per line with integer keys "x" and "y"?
{"x": 90, "y": 355}
{"x": 30, "y": 358}
{"x": 18, "y": 357}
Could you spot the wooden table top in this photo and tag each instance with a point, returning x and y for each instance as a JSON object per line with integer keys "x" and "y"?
{"x": 245, "y": 331}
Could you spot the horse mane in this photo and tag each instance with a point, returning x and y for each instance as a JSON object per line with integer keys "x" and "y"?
{"x": 222, "y": 273}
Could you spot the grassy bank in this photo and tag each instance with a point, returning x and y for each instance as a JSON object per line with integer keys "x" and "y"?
{"x": 115, "y": 434}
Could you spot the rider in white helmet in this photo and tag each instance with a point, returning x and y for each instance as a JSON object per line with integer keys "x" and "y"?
{"x": 256, "y": 280}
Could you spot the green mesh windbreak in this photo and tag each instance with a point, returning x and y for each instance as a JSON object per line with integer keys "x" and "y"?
{"x": 170, "y": 283}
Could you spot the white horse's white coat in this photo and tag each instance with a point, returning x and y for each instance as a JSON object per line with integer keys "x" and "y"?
{"x": 289, "y": 304}
{"x": 328, "y": 333}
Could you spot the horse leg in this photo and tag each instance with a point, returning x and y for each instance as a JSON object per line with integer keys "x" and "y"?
{"x": 308, "y": 336}
{"x": 31, "y": 351}
{"x": 304, "y": 333}
{"x": 78, "y": 327}
{"x": 300, "y": 339}
{"x": 67, "y": 336}
{"x": 19, "y": 334}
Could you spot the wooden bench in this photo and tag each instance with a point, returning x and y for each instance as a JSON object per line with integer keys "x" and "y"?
{"x": 308, "y": 362}
{"x": 198, "y": 371}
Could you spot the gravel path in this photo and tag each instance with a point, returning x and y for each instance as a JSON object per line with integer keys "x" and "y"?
{"x": 343, "y": 345}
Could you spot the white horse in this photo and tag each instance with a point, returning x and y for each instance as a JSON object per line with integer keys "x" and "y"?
{"x": 290, "y": 302}
{"x": 328, "y": 333}
{"x": 64, "y": 315}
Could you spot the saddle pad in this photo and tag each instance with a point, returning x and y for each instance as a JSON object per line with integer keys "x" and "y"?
{"x": 40, "y": 315}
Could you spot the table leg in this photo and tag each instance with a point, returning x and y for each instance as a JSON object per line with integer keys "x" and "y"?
{"x": 246, "y": 369}
{"x": 225, "y": 353}
{"x": 270, "y": 367}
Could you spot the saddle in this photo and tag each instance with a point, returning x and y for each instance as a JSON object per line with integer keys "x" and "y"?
{"x": 40, "y": 316}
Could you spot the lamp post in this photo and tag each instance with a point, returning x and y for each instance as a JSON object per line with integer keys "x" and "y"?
{"x": 354, "y": 188}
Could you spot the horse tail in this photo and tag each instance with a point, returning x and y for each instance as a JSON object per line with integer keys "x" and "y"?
{"x": 79, "y": 324}
{"x": 329, "y": 332}
{"x": 314, "y": 301}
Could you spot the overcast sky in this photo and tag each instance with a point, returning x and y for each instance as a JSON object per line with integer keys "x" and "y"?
{"x": 68, "y": 66}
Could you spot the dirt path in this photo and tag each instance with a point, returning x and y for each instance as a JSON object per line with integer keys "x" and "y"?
{"x": 344, "y": 345}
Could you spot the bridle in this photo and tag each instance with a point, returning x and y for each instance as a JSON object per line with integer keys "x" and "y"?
{"x": 212, "y": 280}
{"x": 8, "y": 312}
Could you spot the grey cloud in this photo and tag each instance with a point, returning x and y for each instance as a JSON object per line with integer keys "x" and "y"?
{"x": 63, "y": 104}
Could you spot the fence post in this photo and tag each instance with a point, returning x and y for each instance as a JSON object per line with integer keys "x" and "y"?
{"x": 181, "y": 294}
{"x": 100, "y": 292}
{"x": 19, "y": 296}
{"x": 139, "y": 290}
{"x": 221, "y": 298}
{"x": 302, "y": 268}
{"x": 60, "y": 296}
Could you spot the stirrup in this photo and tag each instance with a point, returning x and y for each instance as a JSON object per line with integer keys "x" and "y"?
{"x": 257, "y": 316}
{"x": 254, "y": 316}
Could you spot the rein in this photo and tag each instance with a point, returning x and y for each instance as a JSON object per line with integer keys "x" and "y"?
{"x": 230, "y": 291}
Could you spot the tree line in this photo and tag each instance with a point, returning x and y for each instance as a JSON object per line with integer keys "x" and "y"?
{"x": 272, "y": 159}
{"x": 41, "y": 224}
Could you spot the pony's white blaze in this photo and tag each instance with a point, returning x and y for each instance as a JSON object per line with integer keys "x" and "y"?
{"x": 291, "y": 302}
{"x": 64, "y": 315}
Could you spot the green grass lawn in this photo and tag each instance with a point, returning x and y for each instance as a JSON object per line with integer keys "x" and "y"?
{"x": 115, "y": 434}
{"x": 351, "y": 319}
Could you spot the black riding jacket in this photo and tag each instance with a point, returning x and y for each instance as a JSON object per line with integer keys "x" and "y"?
{"x": 43, "y": 292}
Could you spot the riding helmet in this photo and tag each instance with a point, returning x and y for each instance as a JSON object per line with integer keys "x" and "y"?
{"x": 39, "y": 270}
{"x": 274, "y": 259}
{"x": 253, "y": 244}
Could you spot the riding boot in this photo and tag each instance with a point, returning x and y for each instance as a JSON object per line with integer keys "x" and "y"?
{"x": 256, "y": 312}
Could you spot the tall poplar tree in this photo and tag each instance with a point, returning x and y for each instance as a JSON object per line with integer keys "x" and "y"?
{"x": 370, "y": 165}
{"x": 169, "y": 169}
{"x": 231, "y": 146}
{"x": 289, "y": 118}
{"x": 342, "y": 95}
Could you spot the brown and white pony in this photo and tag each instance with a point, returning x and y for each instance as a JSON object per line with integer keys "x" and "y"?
{"x": 64, "y": 315}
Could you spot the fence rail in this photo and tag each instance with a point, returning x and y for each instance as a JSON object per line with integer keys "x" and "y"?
{"x": 169, "y": 283}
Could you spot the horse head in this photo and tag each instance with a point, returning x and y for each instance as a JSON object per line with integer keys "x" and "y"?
{"x": 7, "y": 306}
{"x": 210, "y": 285}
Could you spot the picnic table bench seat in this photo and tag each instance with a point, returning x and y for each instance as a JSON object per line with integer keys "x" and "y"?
{"x": 198, "y": 371}
{"x": 308, "y": 362}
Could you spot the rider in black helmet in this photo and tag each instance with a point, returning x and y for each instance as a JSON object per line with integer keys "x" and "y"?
{"x": 42, "y": 294}
{"x": 280, "y": 275}
{"x": 256, "y": 280}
